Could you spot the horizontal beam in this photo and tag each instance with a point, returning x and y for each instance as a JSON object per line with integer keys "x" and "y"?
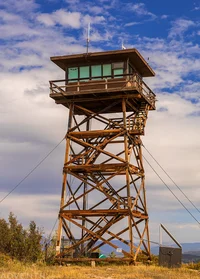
{"x": 101, "y": 133}
{"x": 59, "y": 100}
{"x": 106, "y": 168}
{"x": 101, "y": 212}
{"x": 111, "y": 90}
{"x": 93, "y": 259}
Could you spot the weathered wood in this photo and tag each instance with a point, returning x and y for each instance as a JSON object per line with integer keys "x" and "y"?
{"x": 63, "y": 193}
{"x": 76, "y": 260}
{"x": 101, "y": 212}
{"x": 96, "y": 235}
{"x": 100, "y": 133}
{"x": 105, "y": 189}
{"x": 101, "y": 167}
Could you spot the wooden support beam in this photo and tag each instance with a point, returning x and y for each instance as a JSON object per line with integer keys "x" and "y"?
{"x": 100, "y": 133}
{"x": 102, "y": 212}
{"x": 101, "y": 167}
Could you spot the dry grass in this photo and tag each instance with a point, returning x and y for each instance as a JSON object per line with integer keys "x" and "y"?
{"x": 19, "y": 271}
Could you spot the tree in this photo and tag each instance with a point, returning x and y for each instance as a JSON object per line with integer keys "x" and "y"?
{"x": 4, "y": 236}
{"x": 33, "y": 243}
{"x": 50, "y": 248}
{"x": 17, "y": 238}
{"x": 19, "y": 243}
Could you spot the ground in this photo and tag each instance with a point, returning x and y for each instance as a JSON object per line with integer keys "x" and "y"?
{"x": 18, "y": 271}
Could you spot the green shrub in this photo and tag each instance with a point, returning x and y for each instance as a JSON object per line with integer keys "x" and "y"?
{"x": 19, "y": 243}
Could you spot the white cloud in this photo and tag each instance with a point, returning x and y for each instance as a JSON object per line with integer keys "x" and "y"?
{"x": 196, "y": 8}
{"x": 96, "y": 9}
{"x": 72, "y": 1}
{"x": 9, "y": 17}
{"x": 180, "y": 26}
{"x": 97, "y": 37}
{"x": 178, "y": 140}
{"x": 61, "y": 17}
{"x": 19, "y": 6}
{"x": 41, "y": 208}
{"x": 141, "y": 10}
{"x": 46, "y": 19}
{"x": 164, "y": 16}
{"x": 133, "y": 23}
{"x": 172, "y": 61}
{"x": 93, "y": 19}
{"x": 10, "y": 31}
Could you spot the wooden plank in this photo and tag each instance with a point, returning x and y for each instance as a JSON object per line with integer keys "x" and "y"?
{"x": 92, "y": 259}
{"x": 102, "y": 212}
{"x": 60, "y": 99}
{"x": 101, "y": 167}
{"x": 100, "y": 133}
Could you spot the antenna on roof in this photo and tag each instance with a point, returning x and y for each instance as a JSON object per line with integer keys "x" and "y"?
{"x": 88, "y": 37}
{"x": 123, "y": 47}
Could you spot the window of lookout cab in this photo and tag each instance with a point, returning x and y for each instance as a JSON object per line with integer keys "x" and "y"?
{"x": 96, "y": 72}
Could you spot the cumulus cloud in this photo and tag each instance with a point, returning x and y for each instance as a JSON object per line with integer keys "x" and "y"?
{"x": 61, "y": 17}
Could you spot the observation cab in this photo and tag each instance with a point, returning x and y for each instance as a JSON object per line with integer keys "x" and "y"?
{"x": 94, "y": 80}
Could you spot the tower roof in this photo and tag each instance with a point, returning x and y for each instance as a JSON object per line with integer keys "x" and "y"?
{"x": 106, "y": 57}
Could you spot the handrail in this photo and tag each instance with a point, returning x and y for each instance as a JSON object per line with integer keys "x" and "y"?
{"x": 130, "y": 80}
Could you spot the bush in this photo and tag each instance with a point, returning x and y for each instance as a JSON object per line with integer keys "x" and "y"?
{"x": 19, "y": 243}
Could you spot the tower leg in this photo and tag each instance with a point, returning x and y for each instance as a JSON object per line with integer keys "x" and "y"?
{"x": 64, "y": 183}
{"x": 127, "y": 177}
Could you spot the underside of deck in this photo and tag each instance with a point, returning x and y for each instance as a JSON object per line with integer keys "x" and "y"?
{"x": 96, "y": 95}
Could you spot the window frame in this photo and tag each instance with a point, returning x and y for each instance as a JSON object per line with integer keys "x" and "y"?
{"x": 111, "y": 76}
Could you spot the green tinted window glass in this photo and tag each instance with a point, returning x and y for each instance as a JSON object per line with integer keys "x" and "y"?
{"x": 96, "y": 71}
{"x": 118, "y": 72}
{"x": 107, "y": 70}
{"x": 84, "y": 72}
{"x": 73, "y": 73}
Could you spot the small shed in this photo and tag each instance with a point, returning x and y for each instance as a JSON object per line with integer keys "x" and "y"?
{"x": 169, "y": 256}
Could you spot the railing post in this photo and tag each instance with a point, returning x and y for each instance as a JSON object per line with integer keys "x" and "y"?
{"x": 106, "y": 84}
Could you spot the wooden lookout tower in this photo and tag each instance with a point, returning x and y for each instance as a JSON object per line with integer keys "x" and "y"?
{"x": 103, "y": 199}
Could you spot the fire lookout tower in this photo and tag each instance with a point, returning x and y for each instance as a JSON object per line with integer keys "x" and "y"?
{"x": 103, "y": 200}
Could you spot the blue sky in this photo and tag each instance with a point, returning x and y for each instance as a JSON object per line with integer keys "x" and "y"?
{"x": 166, "y": 32}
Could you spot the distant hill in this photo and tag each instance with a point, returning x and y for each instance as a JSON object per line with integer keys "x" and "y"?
{"x": 187, "y": 248}
{"x": 186, "y": 258}
{"x": 191, "y": 251}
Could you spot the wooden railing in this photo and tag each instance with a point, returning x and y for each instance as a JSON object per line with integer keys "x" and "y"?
{"x": 119, "y": 82}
